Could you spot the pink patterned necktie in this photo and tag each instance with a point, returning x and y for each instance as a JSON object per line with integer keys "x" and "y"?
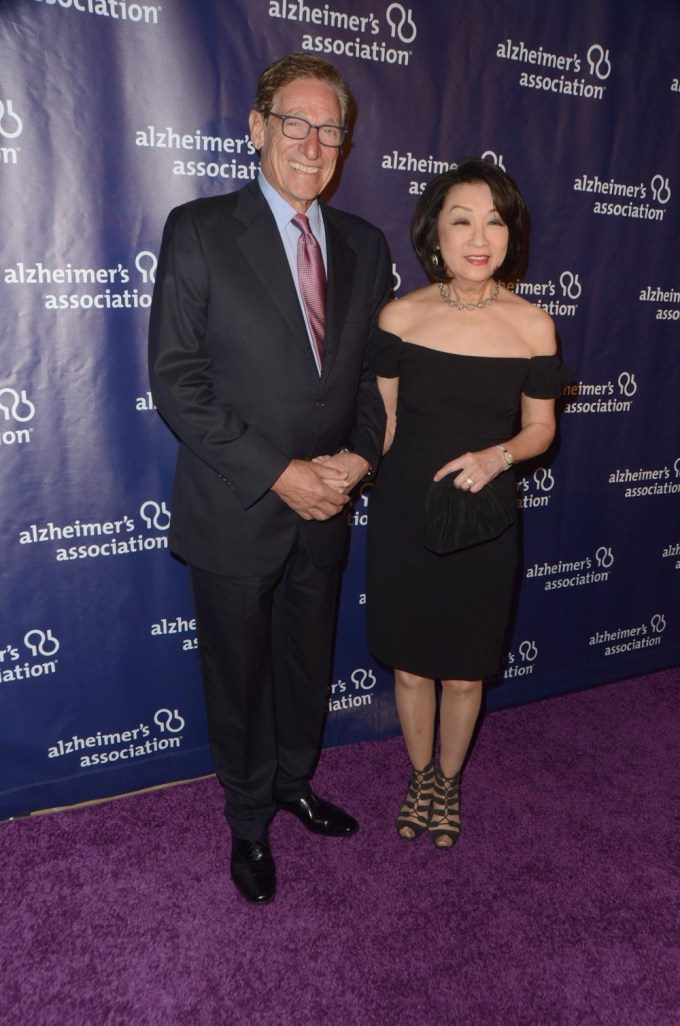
{"x": 312, "y": 277}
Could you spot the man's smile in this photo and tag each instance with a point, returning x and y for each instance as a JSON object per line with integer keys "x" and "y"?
{"x": 305, "y": 168}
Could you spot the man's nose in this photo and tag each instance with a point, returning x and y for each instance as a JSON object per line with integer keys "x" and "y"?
{"x": 311, "y": 147}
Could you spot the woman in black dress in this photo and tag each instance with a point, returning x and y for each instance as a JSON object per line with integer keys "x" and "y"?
{"x": 469, "y": 373}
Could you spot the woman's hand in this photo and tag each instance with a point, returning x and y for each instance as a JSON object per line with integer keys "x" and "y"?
{"x": 474, "y": 470}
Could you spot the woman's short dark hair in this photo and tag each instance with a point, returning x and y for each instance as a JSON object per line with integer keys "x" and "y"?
{"x": 507, "y": 199}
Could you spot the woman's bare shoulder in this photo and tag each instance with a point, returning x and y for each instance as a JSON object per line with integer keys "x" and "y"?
{"x": 398, "y": 315}
{"x": 535, "y": 325}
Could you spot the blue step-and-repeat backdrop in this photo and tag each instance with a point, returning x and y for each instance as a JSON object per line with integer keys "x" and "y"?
{"x": 111, "y": 113}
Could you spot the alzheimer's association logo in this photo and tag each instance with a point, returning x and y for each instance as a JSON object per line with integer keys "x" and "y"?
{"x": 402, "y": 25}
{"x": 15, "y": 405}
{"x": 156, "y": 515}
{"x": 599, "y": 63}
{"x": 11, "y": 125}
{"x": 15, "y": 410}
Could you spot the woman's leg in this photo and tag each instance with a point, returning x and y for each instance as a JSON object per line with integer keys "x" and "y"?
{"x": 416, "y": 705}
{"x": 460, "y": 704}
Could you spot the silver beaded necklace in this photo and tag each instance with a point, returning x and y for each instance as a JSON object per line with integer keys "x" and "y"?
{"x": 455, "y": 304}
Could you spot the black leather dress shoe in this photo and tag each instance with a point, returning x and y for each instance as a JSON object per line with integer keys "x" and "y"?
{"x": 253, "y": 870}
{"x": 320, "y": 817}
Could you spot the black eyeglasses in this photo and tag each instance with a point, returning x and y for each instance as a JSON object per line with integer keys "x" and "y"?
{"x": 294, "y": 127}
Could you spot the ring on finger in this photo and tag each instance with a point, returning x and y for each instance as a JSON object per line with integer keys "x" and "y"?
{"x": 469, "y": 481}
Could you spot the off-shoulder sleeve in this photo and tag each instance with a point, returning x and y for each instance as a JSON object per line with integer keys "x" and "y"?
{"x": 384, "y": 353}
{"x": 547, "y": 377}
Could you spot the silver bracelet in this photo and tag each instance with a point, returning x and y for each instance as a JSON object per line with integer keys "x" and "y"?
{"x": 507, "y": 456}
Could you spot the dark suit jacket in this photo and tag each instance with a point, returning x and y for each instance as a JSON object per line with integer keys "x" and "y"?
{"x": 233, "y": 374}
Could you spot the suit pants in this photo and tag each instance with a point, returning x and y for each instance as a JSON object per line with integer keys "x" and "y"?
{"x": 265, "y": 647}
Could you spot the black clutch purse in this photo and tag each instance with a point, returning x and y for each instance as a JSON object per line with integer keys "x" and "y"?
{"x": 456, "y": 519}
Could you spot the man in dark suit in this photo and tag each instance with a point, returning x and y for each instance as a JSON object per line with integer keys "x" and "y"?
{"x": 257, "y": 360}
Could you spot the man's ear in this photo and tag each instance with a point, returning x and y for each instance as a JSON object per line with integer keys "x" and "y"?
{"x": 256, "y": 123}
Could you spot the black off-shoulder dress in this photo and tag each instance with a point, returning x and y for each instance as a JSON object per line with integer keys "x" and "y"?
{"x": 437, "y": 616}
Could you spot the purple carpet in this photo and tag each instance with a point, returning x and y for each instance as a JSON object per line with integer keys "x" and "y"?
{"x": 558, "y": 906}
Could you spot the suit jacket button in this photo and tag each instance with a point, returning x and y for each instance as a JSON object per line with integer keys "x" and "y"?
{"x": 319, "y": 404}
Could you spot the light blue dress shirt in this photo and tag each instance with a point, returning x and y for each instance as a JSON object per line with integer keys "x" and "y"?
{"x": 283, "y": 215}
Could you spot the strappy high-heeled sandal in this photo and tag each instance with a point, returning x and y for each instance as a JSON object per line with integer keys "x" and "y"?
{"x": 445, "y": 823}
{"x": 414, "y": 814}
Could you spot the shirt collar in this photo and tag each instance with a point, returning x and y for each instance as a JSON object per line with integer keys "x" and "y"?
{"x": 282, "y": 210}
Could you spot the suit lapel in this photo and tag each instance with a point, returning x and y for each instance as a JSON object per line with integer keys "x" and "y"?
{"x": 261, "y": 246}
{"x": 341, "y": 269}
